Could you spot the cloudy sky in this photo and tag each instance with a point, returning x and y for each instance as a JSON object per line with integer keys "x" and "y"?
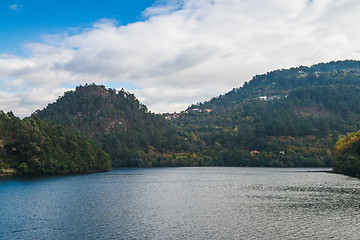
{"x": 170, "y": 53}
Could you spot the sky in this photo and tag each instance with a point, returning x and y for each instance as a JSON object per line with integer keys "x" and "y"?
{"x": 169, "y": 53}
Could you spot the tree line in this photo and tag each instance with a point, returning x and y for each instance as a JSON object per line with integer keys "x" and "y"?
{"x": 32, "y": 147}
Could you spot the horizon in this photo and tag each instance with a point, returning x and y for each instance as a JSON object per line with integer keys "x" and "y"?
{"x": 169, "y": 53}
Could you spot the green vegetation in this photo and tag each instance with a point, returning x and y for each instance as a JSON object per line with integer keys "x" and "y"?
{"x": 123, "y": 127}
{"x": 32, "y": 147}
{"x": 285, "y": 118}
{"x": 292, "y": 118}
{"x": 347, "y": 155}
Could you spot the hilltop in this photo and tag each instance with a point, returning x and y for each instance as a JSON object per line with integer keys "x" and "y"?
{"x": 122, "y": 126}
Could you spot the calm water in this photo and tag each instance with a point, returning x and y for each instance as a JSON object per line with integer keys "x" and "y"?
{"x": 182, "y": 203}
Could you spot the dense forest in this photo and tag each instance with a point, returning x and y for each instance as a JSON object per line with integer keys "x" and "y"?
{"x": 123, "y": 127}
{"x": 284, "y": 118}
{"x": 32, "y": 147}
{"x": 347, "y": 155}
{"x": 278, "y": 83}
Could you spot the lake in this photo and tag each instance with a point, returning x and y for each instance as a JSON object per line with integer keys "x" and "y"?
{"x": 182, "y": 203}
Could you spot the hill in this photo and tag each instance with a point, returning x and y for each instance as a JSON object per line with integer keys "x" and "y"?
{"x": 289, "y": 117}
{"x": 278, "y": 83}
{"x": 33, "y": 147}
{"x": 284, "y": 118}
{"x": 122, "y": 126}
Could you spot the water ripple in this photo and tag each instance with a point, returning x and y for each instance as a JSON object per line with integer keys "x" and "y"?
{"x": 183, "y": 203}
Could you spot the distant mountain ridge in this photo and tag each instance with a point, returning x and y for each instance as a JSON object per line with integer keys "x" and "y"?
{"x": 290, "y": 117}
{"x": 279, "y": 82}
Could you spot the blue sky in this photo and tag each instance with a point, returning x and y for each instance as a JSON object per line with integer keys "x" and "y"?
{"x": 169, "y": 53}
{"x": 27, "y": 20}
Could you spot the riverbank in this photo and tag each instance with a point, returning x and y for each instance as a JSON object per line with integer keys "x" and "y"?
{"x": 8, "y": 172}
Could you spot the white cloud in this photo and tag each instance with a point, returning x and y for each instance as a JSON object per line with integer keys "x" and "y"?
{"x": 14, "y": 7}
{"x": 23, "y": 103}
{"x": 162, "y": 7}
{"x": 186, "y": 51}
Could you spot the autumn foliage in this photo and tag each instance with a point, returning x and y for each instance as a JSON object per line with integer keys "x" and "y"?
{"x": 346, "y": 154}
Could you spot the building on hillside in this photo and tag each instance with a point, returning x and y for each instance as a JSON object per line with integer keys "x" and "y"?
{"x": 273, "y": 97}
{"x": 254, "y": 152}
{"x": 172, "y": 116}
{"x": 264, "y": 98}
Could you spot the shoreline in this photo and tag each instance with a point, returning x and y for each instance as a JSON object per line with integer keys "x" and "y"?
{"x": 10, "y": 172}
{"x": 7, "y": 172}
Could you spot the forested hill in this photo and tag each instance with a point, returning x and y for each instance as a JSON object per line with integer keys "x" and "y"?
{"x": 278, "y": 83}
{"x": 287, "y": 117}
{"x": 32, "y": 147}
{"x": 121, "y": 125}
